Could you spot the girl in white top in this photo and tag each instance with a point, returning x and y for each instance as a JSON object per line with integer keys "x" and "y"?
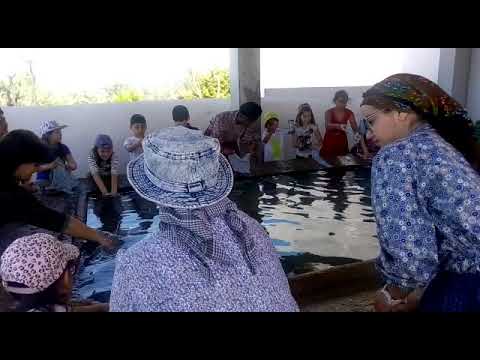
{"x": 308, "y": 139}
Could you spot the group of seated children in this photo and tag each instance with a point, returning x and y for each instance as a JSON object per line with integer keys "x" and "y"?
{"x": 308, "y": 140}
{"x": 103, "y": 162}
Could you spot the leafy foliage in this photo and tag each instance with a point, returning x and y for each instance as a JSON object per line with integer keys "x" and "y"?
{"x": 22, "y": 90}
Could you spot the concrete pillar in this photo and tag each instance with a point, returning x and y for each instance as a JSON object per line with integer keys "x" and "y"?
{"x": 473, "y": 100}
{"x": 245, "y": 82}
{"x": 454, "y": 72}
{"x": 244, "y": 75}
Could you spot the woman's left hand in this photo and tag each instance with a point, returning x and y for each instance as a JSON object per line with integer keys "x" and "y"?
{"x": 408, "y": 304}
{"x": 381, "y": 303}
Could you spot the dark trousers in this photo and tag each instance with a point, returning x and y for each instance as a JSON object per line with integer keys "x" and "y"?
{"x": 451, "y": 292}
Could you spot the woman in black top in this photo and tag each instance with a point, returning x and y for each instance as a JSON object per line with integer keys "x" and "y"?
{"x": 22, "y": 152}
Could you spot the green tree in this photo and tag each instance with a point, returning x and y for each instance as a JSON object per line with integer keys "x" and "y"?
{"x": 214, "y": 84}
{"x": 122, "y": 93}
{"x": 17, "y": 90}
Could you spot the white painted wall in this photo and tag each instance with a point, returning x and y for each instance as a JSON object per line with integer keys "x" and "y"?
{"x": 86, "y": 121}
{"x": 422, "y": 61}
{"x": 473, "y": 99}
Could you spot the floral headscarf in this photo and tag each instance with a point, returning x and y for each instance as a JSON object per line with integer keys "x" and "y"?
{"x": 408, "y": 92}
{"x": 414, "y": 93}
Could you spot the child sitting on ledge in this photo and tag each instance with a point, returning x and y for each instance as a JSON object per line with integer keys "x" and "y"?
{"x": 57, "y": 175}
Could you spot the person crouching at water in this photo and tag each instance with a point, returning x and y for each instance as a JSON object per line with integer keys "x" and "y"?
{"x": 37, "y": 271}
{"x": 26, "y": 184}
{"x": 426, "y": 197}
{"x": 104, "y": 165}
{"x": 22, "y": 152}
{"x": 206, "y": 255}
{"x": 236, "y": 130}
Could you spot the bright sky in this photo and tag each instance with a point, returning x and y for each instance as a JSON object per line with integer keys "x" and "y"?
{"x": 66, "y": 70}
{"x": 281, "y": 68}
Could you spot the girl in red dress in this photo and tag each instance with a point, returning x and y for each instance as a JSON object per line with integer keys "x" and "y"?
{"x": 335, "y": 142}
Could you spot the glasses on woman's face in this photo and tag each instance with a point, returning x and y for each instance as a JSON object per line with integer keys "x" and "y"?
{"x": 370, "y": 119}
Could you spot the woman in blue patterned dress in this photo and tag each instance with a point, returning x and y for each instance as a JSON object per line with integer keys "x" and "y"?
{"x": 426, "y": 197}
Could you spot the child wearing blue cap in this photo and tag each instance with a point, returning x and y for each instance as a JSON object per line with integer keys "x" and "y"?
{"x": 103, "y": 163}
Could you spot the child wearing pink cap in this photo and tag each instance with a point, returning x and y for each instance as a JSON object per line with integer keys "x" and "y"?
{"x": 37, "y": 271}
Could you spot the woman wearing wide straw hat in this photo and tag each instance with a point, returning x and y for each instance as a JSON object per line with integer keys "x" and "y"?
{"x": 207, "y": 255}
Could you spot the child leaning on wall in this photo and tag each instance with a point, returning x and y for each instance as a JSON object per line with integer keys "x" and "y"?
{"x": 307, "y": 138}
{"x": 133, "y": 144}
{"x": 272, "y": 147}
{"x": 103, "y": 164}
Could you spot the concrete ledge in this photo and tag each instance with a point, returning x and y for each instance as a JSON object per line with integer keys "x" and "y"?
{"x": 334, "y": 282}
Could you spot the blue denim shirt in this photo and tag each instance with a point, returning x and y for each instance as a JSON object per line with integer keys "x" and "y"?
{"x": 426, "y": 199}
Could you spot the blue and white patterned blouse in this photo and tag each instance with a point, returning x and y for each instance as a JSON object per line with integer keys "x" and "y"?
{"x": 426, "y": 199}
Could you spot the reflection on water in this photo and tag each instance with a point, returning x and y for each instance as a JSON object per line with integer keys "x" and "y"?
{"x": 315, "y": 220}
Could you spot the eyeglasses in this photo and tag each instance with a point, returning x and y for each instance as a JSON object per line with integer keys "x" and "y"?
{"x": 370, "y": 119}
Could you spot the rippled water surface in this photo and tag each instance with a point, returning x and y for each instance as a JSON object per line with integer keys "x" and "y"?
{"x": 316, "y": 220}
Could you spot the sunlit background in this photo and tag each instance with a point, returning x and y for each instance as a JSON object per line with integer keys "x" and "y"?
{"x": 62, "y": 71}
